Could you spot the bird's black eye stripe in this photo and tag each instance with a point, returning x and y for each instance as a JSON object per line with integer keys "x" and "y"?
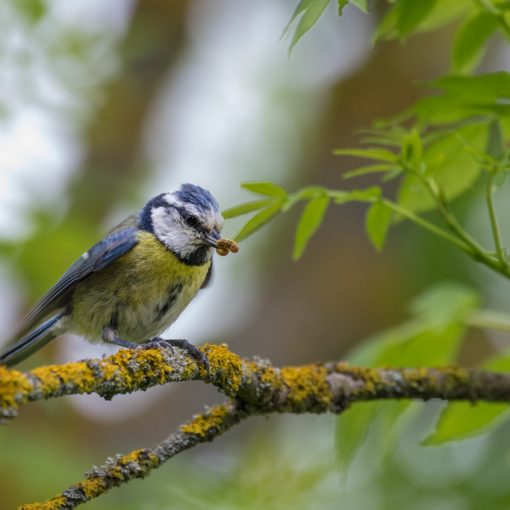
{"x": 191, "y": 220}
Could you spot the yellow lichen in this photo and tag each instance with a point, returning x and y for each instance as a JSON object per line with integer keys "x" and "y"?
{"x": 154, "y": 363}
{"x": 117, "y": 368}
{"x": 457, "y": 375}
{"x": 52, "y": 377}
{"x": 56, "y": 503}
{"x": 141, "y": 456}
{"x": 226, "y": 366}
{"x": 306, "y": 385}
{"x": 92, "y": 488}
{"x": 201, "y": 424}
{"x": 14, "y": 386}
{"x": 268, "y": 376}
{"x": 430, "y": 380}
{"x": 371, "y": 377}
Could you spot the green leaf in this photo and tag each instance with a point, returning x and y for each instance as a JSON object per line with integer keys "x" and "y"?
{"x": 495, "y": 144}
{"x": 389, "y": 176}
{"x": 304, "y": 194}
{"x": 357, "y": 195}
{"x": 461, "y": 420}
{"x": 410, "y": 13}
{"x": 464, "y": 97}
{"x": 412, "y": 150}
{"x": 370, "y": 169}
{"x": 372, "y": 153}
{"x": 377, "y": 223}
{"x": 387, "y": 28}
{"x": 498, "y": 363}
{"x": 471, "y": 40}
{"x": 310, "y": 12}
{"x": 247, "y": 207}
{"x": 341, "y": 5}
{"x": 450, "y": 161}
{"x": 259, "y": 220}
{"x": 362, "y": 5}
{"x": 300, "y": 9}
{"x": 414, "y": 344}
{"x": 488, "y": 87}
{"x": 444, "y": 303}
{"x": 310, "y": 221}
{"x": 443, "y": 13}
{"x": 505, "y": 127}
{"x": 389, "y": 135}
{"x": 395, "y": 416}
{"x": 338, "y": 196}
{"x": 264, "y": 188}
{"x": 418, "y": 18}
{"x": 429, "y": 338}
{"x": 352, "y": 429}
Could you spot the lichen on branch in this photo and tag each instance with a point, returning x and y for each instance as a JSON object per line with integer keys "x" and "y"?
{"x": 139, "y": 463}
{"x": 259, "y": 386}
{"x": 253, "y": 387}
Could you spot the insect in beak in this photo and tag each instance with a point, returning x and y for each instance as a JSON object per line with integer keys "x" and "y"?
{"x": 211, "y": 238}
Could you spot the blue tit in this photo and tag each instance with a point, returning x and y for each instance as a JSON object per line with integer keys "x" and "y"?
{"x": 131, "y": 286}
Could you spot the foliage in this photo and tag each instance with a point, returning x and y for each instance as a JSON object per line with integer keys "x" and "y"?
{"x": 447, "y": 145}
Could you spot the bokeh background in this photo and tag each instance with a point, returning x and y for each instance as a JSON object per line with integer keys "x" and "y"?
{"x": 105, "y": 104}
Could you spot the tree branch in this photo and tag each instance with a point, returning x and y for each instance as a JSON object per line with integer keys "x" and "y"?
{"x": 253, "y": 387}
{"x": 139, "y": 463}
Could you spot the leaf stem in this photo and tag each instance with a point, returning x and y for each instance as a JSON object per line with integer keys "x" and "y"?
{"x": 494, "y": 220}
{"x": 475, "y": 250}
{"x": 427, "y": 225}
{"x": 449, "y": 218}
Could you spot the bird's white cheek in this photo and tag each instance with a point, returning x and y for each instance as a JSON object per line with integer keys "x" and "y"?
{"x": 179, "y": 241}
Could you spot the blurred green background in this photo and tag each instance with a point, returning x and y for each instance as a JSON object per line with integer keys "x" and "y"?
{"x": 104, "y": 104}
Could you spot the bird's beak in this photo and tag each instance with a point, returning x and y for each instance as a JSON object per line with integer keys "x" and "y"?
{"x": 211, "y": 238}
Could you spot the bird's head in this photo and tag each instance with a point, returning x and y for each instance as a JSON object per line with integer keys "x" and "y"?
{"x": 187, "y": 221}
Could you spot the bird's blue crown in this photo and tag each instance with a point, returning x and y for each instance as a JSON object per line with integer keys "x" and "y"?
{"x": 200, "y": 197}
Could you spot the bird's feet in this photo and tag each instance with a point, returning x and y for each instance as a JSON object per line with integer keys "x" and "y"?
{"x": 110, "y": 335}
{"x": 157, "y": 341}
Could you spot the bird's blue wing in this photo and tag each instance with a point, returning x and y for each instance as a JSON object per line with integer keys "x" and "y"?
{"x": 101, "y": 255}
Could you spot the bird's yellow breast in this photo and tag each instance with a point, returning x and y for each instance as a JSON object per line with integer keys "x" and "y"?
{"x": 151, "y": 261}
{"x": 140, "y": 294}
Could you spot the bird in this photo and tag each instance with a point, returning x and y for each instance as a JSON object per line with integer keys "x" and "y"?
{"x": 134, "y": 283}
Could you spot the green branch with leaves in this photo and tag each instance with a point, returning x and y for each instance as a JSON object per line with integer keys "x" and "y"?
{"x": 427, "y": 165}
{"x": 451, "y": 145}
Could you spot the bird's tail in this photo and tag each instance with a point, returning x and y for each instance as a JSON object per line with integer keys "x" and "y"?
{"x": 31, "y": 342}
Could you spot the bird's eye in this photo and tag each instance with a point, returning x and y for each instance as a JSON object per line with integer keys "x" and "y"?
{"x": 192, "y": 221}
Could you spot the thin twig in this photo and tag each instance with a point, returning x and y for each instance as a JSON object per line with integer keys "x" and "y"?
{"x": 427, "y": 225}
{"x": 139, "y": 463}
